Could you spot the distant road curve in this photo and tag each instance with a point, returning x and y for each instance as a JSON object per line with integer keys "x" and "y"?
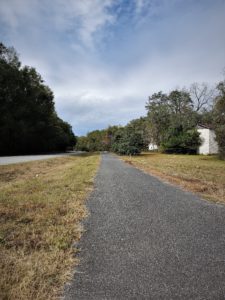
{"x": 7, "y": 160}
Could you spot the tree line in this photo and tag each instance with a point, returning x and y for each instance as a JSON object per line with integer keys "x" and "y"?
{"x": 170, "y": 123}
{"x": 28, "y": 120}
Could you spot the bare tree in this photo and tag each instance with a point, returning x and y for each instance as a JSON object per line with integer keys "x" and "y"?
{"x": 202, "y": 95}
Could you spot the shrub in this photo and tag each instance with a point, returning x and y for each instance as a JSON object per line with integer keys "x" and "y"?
{"x": 127, "y": 142}
{"x": 180, "y": 141}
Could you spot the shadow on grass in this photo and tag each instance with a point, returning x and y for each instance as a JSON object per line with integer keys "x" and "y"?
{"x": 84, "y": 154}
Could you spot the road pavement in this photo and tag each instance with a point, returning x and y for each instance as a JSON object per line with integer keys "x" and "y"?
{"x": 146, "y": 239}
{"x": 6, "y": 160}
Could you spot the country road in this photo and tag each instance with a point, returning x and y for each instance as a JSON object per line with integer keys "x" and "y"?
{"x": 6, "y": 160}
{"x": 146, "y": 239}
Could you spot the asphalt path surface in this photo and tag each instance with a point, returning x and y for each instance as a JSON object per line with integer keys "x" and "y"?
{"x": 6, "y": 160}
{"x": 146, "y": 239}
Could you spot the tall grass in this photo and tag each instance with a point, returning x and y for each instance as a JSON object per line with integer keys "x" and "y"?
{"x": 41, "y": 206}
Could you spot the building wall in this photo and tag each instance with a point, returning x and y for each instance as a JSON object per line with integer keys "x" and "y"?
{"x": 204, "y": 135}
{"x": 209, "y": 144}
{"x": 213, "y": 146}
{"x": 152, "y": 147}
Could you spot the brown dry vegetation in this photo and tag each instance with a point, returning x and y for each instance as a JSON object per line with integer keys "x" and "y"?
{"x": 41, "y": 206}
{"x": 204, "y": 175}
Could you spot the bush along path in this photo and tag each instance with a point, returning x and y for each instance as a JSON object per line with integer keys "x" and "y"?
{"x": 145, "y": 239}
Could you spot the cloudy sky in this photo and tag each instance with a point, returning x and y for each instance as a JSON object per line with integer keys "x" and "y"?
{"x": 103, "y": 58}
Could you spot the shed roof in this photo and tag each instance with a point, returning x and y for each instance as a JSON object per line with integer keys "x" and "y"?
{"x": 203, "y": 126}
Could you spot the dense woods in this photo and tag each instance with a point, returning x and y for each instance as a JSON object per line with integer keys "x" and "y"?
{"x": 28, "y": 120}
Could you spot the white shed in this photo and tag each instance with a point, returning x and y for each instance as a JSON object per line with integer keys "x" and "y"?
{"x": 209, "y": 144}
{"x": 152, "y": 147}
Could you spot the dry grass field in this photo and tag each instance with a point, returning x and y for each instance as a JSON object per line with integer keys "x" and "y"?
{"x": 41, "y": 206}
{"x": 204, "y": 175}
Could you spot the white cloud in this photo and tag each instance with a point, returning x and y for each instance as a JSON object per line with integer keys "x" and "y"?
{"x": 140, "y": 4}
{"x": 93, "y": 15}
{"x": 81, "y": 17}
{"x": 13, "y": 11}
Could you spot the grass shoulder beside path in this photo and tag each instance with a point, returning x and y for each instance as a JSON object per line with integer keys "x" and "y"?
{"x": 204, "y": 175}
{"x": 41, "y": 206}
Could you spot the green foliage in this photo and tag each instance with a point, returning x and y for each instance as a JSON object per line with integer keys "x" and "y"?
{"x": 141, "y": 126}
{"x": 158, "y": 116}
{"x": 205, "y": 117}
{"x": 97, "y": 140}
{"x": 82, "y": 143}
{"x": 179, "y": 141}
{"x": 172, "y": 121}
{"x": 28, "y": 121}
{"x": 219, "y": 118}
{"x": 127, "y": 142}
{"x": 122, "y": 140}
